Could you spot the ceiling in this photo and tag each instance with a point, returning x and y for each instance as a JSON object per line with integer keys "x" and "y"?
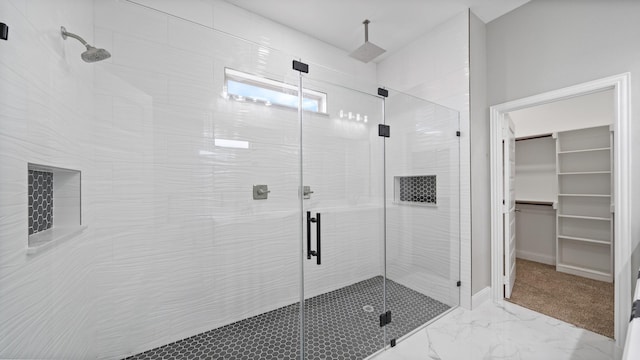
{"x": 394, "y": 23}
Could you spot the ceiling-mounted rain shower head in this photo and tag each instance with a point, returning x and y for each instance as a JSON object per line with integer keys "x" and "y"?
{"x": 368, "y": 51}
{"x": 92, "y": 54}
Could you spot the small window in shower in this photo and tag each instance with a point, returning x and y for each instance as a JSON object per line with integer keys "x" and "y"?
{"x": 241, "y": 86}
{"x": 419, "y": 190}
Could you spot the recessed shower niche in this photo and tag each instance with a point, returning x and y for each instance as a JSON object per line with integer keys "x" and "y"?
{"x": 53, "y": 203}
{"x": 417, "y": 190}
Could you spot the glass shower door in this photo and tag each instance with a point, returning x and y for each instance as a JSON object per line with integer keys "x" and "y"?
{"x": 252, "y": 153}
{"x": 343, "y": 223}
{"x": 422, "y": 212}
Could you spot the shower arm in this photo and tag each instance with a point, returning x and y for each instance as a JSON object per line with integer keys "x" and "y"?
{"x": 65, "y": 33}
{"x": 366, "y": 30}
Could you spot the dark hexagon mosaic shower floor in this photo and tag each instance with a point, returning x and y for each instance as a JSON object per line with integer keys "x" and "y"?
{"x": 337, "y": 327}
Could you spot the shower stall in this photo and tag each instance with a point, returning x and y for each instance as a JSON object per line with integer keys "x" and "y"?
{"x": 237, "y": 203}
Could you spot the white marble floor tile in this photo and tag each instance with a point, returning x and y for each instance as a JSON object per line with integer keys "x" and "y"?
{"x": 505, "y": 331}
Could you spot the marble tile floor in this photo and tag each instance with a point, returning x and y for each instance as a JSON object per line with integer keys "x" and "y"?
{"x": 505, "y": 331}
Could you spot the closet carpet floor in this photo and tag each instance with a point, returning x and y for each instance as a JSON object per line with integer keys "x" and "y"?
{"x": 583, "y": 302}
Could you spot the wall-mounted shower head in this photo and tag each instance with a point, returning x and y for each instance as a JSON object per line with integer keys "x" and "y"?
{"x": 92, "y": 54}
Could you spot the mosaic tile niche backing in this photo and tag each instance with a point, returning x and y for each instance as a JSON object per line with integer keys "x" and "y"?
{"x": 40, "y": 201}
{"x": 420, "y": 189}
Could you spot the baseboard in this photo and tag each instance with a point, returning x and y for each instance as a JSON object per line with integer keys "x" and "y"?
{"x": 595, "y": 275}
{"x": 540, "y": 258}
{"x": 481, "y": 297}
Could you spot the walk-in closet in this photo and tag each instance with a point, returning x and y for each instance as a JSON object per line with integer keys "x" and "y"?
{"x": 564, "y": 210}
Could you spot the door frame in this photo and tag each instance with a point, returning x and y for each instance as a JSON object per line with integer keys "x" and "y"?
{"x": 620, "y": 84}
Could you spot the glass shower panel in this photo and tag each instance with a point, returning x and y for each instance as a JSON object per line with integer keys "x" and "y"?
{"x": 256, "y": 222}
{"x": 422, "y": 212}
{"x": 343, "y": 217}
{"x": 208, "y": 262}
{"x": 255, "y": 169}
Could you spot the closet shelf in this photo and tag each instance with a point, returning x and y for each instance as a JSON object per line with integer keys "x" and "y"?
{"x": 585, "y": 195}
{"x": 582, "y": 179}
{"x": 592, "y": 241}
{"x": 583, "y": 269}
{"x": 583, "y": 150}
{"x": 584, "y": 217}
{"x": 584, "y": 173}
{"x": 534, "y": 202}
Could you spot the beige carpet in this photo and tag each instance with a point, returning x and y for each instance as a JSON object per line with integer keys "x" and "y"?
{"x": 579, "y": 301}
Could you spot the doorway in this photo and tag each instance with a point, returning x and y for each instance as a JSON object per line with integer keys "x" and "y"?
{"x": 621, "y": 273}
{"x": 563, "y": 211}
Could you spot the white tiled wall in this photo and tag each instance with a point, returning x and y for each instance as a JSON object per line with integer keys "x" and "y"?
{"x": 436, "y": 67}
{"x": 423, "y": 244}
{"x": 327, "y": 62}
{"x": 175, "y": 244}
{"x": 45, "y": 299}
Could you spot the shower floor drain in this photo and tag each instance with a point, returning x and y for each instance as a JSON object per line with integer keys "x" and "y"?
{"x": 367, "y": 308}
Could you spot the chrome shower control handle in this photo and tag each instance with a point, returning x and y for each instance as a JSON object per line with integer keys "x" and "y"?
{"x": 306, "y": 192}
{"x": 261, "y": 192}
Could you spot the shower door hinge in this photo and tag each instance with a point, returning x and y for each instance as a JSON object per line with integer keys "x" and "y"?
{"x": 458, "y": 133}
{"x": 384, "y": 130}
{"x": 383, "y": 92}
{"x": 385, "y": 318}
{"x": 634, "y": 310}
{"x": 300, "y": 66}
{"x": 459, "y": 283}
{"x": 4, "y": 31}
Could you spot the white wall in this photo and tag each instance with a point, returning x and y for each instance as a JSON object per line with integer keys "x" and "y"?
{"x": 576, "y": 113}
{"x": 326, "y": 62}
{"x": 548, "y": 45}
{"x": 536, "y": 233}
{"x": 480, "y": 197}
{"x": 45, "y": 300}
{"x": 175, "y": 243}
{"x": 536, "y": 178}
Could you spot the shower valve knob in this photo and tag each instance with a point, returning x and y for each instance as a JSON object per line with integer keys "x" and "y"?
{"x": 260, "y": 192}
{"x": 306, "y": 192}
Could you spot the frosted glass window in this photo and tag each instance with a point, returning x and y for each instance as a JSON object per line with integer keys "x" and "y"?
{"x": 246, "y": 87}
